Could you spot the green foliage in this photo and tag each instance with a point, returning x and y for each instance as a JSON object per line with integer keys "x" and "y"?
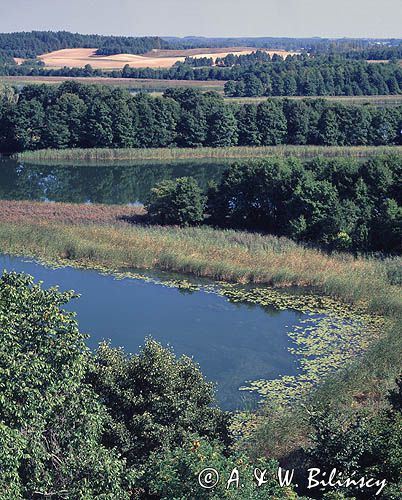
{"x": 76, "y": 425}
{"x": 179, "y": 201}
{"x": 51, "y": 421}
{"x": 174, "y": 474}
{"x": 271, "y": 123}
{"x": 301, "y": 75}
{"x": 7, "y": 94}
{"x": 247, "y": 126}
{"x": 340, "y": 204}
{"x": 361, "y": 445}
{"x": 154, "y": 400}
{"x": 223, "y": 128}
{"x": 87, "y": 116}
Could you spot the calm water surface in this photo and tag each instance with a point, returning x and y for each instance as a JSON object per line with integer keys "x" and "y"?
{"x": 232, "y": 343}
{"x": 114, "y": 183}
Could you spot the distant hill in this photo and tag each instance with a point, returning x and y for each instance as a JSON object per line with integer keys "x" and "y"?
{"x": 28, "y": 45}
{"x": 46, "y": 47}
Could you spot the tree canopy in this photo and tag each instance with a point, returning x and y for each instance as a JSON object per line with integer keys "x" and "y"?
{"x": 77, "y": 115}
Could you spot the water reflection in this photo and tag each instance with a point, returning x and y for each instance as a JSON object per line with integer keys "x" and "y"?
{"x": 116, "y": 183}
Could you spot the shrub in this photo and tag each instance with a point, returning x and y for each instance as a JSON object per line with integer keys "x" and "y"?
{"x": 177, "y": 474}
{"x": 179, "y": 201}
{"x": 362, "y": 445}
{"x": 154, "y": 400}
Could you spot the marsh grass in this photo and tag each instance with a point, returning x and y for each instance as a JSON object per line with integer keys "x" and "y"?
{"x": 107, "y": 154}
{"x": 226, "y": 255}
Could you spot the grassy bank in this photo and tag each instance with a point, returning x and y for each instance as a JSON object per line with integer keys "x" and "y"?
{"x": 205, "y": 153}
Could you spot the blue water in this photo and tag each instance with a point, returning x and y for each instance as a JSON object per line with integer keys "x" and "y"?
{"x": 232, "y": 343}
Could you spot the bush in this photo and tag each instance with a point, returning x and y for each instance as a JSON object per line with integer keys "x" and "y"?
{"x": 154, "y": 400}
{"x": 177, "y": 475}
{"x": 179, "y": 201}
{"x": 51, "y": 421}
{"x": 361, "y": 445}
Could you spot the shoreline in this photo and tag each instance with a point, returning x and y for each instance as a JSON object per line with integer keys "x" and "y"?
{"x": 114, "y": 236}
{"x": 360, "y": 330}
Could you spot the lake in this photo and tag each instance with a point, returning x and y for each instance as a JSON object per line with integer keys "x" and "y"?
{"x": 115, "y": 183}
{"x": 232, "y": 342}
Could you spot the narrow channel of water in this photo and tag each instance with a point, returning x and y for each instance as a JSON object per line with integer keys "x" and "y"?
{"x": 114, "y": 183}
{"x": 233, "y": 343}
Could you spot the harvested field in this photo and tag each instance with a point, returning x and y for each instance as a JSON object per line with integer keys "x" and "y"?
{"x": 66, "y": 213}
{"x": 78, "y": 58}
{"x": 375, "y": 100}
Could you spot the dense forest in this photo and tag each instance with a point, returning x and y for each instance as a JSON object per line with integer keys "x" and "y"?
{"x": 339, "y": 203}
{"x": 77, "y": 115}
{"x": 259, "y": 74}
{"x": 328, "y": 76}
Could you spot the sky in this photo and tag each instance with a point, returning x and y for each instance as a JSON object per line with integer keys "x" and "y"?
{"x": 219, "y": 18}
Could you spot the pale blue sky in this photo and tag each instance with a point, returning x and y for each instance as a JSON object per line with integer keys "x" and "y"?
{"x": 298, "y": 18}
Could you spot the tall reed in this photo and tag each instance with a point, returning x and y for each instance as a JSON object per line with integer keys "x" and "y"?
{"x": 107, "y": 154}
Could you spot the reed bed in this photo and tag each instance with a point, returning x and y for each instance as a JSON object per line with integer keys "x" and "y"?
{"x": 35, "y": 211}
{"x": 235, "y": 152}
{"x": 206, "y": 252}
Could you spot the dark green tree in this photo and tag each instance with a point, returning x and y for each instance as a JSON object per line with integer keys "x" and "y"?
{"x": 271, "y": 123}
{"x": 249, "y": 134}
{"x": 99, "y": 125}
{"x": 328, "y": 128}
{"x": 297, "y": 117}
{"x": 179, "y": 201}
{"x": 222, "y": 128}
{"x": 154, "y": 401}
{"x": 51, "y": 420}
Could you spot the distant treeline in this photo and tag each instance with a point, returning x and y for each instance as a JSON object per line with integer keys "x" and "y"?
{"x": 341, "y": 203}
{"x": 88, "y": 116}
{"x": 31, "y": 44}
{"x": 378, "y": 52}
{"x": 313, "y": 77}
{"x": 258, "y": 75}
